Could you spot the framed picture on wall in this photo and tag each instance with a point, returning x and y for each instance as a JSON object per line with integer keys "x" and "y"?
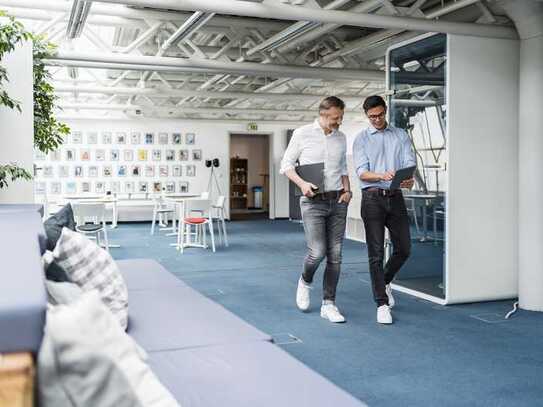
{"x": 100, "y": 187}
{"x": 176, "y": 138}
{"x": 55, "y": 155}
{"x": 93, "y": 171}
{"x": 177, "y": 171}
{"x": 76, "y": 137}
{"x": 70, "y": 154}
{"x": 190, "y": 170}
{"x": 85, "y": 187}
{"x": 114, "y": 155}
{"x": 100, "y": 155}
{"x": 56, "y": 188}
{"x": 115, "y": 187}
{"x": 162, "y": 138}
{"x": 129, "y": 187}
{"x": 136, "y": 171}
{"x": 163, "y": 171}
{"x": 142, "y": 186}
{"x": 120, "y": 137}
{"x": 135, "y": 138}
{"x": 106, "y": 137}
{"x": 197, "y": 155}
{"x": 39, "y": 155}
{"x": 121, "y": 171}
{"x": 149, "y": 170}
{"x": 157, "y": 155}
{"x": 128, "y": 155}
{"x": 92, "y": 137}
{"x": 64, "y": 171}
{"x": 39, "y": 188}
{"x": 48, "y": 171}
{"x": 190, "y": 138}
{"x": 71, "y": 187}
{"x": 157, "y": 186}
{"x": 183, "y": 155}
{"x": 183, "y": 186}
{"x": 106, "y": 170}
{"x": 170, "y": 155}
{"x": 84, "y": 154}
{"x": 142, "y": 155}
{"x": 149, "y": 138}
{"x": 78, "y": 171}
{"x": 170, "y": 187}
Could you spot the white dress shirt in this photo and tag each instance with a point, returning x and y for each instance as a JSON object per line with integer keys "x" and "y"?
{"x": 309, "y": 145}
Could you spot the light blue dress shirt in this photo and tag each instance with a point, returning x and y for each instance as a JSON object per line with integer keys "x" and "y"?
{"x": 379, "y": 151}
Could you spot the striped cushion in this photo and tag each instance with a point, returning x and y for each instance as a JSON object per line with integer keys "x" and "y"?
{"x": 91, "y": 267}
{"x": 195, "y": 220}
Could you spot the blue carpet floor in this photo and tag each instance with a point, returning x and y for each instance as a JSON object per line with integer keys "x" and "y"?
{"x": 464, "y": 355}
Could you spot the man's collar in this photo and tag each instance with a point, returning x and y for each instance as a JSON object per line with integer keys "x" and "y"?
{"x": 373, "y": 130}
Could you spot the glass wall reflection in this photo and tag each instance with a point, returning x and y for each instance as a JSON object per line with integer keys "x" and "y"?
{"x": 416, "y": 80}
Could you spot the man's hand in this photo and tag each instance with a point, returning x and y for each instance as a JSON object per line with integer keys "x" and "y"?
{"x": 387, "y": 176}
{"x": 345, "y": 197}
{"x": 408, "y": 183}
{"x": 308, "y": 189}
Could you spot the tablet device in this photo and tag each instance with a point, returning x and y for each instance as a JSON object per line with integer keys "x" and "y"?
{"x": 313, "y": 173}
{"x": 402, "y": 175}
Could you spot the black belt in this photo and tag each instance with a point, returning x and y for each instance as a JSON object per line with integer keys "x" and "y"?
{"x": 328, "y": 195}
{"x": 382, "y": 192}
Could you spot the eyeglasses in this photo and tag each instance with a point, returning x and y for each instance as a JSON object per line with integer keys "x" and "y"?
{"x": 376, "y": 116}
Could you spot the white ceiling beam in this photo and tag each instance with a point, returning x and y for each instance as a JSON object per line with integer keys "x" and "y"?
{"x": 166, "y": 93}
{"x": 293, "y": 13}
{"x": 136, "y": 62}
{"x": 191, "y": 110}
{"x": 105, "y": 14}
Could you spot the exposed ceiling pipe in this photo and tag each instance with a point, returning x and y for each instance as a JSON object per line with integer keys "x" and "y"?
{"x": 288, "y": 12}
{"x": 150, "y": 63}
{"x": 105, "y": 14}
{"x": 78, "y": 16}
{"x": 191, "y": 110}
{"x": 380, "y": 36}
{"x": 167, "y": 93}
{"x": 294, "y": 31}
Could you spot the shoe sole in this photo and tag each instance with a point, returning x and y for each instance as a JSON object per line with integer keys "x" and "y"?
{"x": 334, "y": 322}
{"x": 385, "y": 323}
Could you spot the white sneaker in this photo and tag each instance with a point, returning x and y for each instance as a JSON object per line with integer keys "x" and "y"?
{"x": 302, "y": 295}
{"x": 383, "y": 315}
{"x": 331, "y": 313}
{"x": 391, "y": 301}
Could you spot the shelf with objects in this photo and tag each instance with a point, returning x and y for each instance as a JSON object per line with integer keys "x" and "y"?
{"x": 238, "y": 184}
{"x": 431, "y": 83}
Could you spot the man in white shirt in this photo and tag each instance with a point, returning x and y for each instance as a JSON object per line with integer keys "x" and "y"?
{"x": 324, "y": 213}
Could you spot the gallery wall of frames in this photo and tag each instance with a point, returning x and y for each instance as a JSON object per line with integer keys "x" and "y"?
{"x": 98, "y": 162}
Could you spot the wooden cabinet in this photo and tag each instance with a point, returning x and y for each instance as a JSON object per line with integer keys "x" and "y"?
{"x": 238, "y": 183}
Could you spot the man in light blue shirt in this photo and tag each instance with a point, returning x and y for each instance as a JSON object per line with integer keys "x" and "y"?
{"x": 378, "y": 152}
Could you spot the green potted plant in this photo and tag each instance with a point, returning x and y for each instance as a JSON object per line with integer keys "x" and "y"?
{"x": 48, "y": 131}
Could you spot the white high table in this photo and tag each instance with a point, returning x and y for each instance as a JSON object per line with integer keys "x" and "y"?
{"x": 425, "y": 198}
{"x": 180, "y": 209}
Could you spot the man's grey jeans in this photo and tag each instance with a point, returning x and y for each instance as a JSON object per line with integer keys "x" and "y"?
{"x": 324, "y": 225}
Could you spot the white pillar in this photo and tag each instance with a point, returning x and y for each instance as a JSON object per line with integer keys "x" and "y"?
{"x": 528, "y": 18}
{"x": 17, "y": 129}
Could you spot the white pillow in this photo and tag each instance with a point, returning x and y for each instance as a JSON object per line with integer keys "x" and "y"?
{"x": 62, "y": 292}
{"x": 91, "y": 267}
{"x": 87, "y": 360}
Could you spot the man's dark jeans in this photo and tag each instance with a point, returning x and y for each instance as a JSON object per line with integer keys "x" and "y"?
{"x": 324, "y": 225}
{"x": 378, "y": 212}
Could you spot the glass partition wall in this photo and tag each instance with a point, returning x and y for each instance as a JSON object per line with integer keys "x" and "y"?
{"x": 417, "y": 103}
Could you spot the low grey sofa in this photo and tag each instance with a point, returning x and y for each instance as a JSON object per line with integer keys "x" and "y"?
{"x": 204, "y": 354}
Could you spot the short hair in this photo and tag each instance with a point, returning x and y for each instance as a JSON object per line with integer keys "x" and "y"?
{"x": 331, "y": 101}
{"x": 373, "y": 101}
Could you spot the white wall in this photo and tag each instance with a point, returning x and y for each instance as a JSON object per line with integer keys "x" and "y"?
{"x": 213, "y": 138}
{"x": 17, "y": 129}
{"x": 482, "y": 206}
